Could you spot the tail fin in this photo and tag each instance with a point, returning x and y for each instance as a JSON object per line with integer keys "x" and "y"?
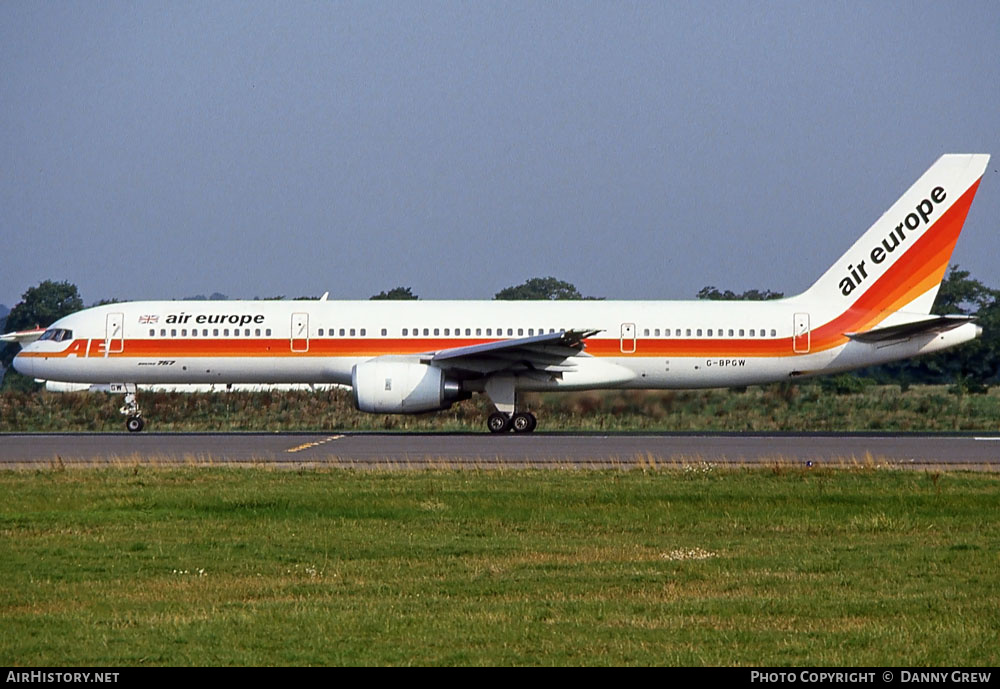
{"x": 898, "y": 264}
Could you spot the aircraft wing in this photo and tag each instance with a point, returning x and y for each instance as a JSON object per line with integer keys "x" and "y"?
{"x": 22, "y": 336}
{"x": 546, "y": 354}
{"x": 926, "y": 326}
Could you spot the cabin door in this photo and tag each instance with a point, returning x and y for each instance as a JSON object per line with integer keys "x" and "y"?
{"x": 300, "y": 332}
{"x": 628, "y": 338}
{"x": 114, "y": 335}
{"x": 800, "y": 333}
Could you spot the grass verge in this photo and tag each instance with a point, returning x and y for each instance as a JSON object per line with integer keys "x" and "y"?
{"x": 815, "y": 407}
{"x": 218, "y": 566}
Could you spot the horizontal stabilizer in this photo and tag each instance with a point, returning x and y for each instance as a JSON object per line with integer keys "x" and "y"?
{"x": 935, "y": 324}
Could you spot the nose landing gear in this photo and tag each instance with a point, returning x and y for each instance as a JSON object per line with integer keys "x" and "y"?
{"x": 133, "y": 415}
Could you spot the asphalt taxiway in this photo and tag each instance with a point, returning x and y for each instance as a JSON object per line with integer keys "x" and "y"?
{"x": 397, "y": 450}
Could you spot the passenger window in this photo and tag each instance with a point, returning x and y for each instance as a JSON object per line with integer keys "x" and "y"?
{"x": 520, "y": 332}
{"x": 741, "y": 332}
{"x": 531, "y": 332}
{"x": 194, "y": 332}
{"x": 437, "y": 331}
{"x": 246, "y": 332}
{"x": 730, "y": 332}
{"x": 645, "y": 333}
{"x": 152, "y": 333}
{"x": 656, "y": 333}
{"x": 321, "y": 332}
{"x": 752, "y": 332}
{"x": 426, "y": 332}
{"x": 405, "y": 332}
{"x": 256, "y": 333}
{"x": 489, "y": 332}
{"x": 774, "y": 333}
{"x": 215, "y": 332}
{"x": 173, "y": 332}
{"x": 352, "y": 332}
{"x": 687, "y": 332}
{"x": 268, "y": 332}
{"x": 709, "y": 332}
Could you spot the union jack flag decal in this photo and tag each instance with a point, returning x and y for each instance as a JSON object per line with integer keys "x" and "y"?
{"x": 148, "y": 319}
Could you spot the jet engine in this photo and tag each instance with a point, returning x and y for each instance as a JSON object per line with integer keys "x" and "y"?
{"x": 402, "y": 387}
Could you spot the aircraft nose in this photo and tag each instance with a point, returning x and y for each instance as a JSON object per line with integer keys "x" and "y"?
{"x": 23, "y": 365}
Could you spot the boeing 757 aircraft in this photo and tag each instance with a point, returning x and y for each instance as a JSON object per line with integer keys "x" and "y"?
{"x": 872, "y": 306}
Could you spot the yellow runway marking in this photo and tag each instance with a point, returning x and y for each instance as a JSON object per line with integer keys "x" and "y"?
{"x": 306, "y": 446}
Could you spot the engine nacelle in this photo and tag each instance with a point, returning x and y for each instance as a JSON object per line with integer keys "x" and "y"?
{"x": 402, "y": 387}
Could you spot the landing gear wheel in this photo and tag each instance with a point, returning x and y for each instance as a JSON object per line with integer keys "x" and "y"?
{"x": 524, "y": 422}
{"x": 498, "y": 423}
{"x": 130, "y": 410}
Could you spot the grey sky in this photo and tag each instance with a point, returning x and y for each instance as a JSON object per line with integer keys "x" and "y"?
{"x": 637, "y": 150}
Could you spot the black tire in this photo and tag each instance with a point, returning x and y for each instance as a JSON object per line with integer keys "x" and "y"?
{"x": 524, "y": 422}
{"x": 498, "y": 423}
{"x": 134, "y": 424}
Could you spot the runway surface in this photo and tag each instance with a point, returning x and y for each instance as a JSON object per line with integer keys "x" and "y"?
{"x": 455, "y": 450}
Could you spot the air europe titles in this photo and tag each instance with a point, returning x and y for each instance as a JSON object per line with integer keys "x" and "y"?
{"x": 235, "y": 319}
{"x": 895, "y": 239}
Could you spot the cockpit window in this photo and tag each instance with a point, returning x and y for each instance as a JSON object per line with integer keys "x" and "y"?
{"x": 57, "y": 334}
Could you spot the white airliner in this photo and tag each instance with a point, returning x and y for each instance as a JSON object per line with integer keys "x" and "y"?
{"x": 872, "y": 306}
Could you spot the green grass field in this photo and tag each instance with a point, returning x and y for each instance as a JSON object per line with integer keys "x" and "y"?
{"x": 688, "y": 566}
{"x": 814, "y": 406}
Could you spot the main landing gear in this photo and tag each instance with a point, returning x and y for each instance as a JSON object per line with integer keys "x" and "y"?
{"x": 131, "y": 411}
{"x": 503, "y": 393}
{"x": 521, "y": 422}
